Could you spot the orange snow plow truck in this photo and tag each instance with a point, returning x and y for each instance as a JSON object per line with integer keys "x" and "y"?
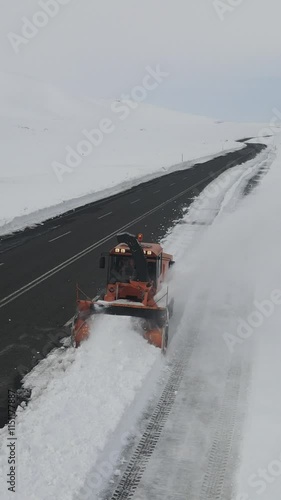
{"x": 136, "y": 287}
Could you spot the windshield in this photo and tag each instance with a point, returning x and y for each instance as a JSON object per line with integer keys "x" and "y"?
{"x": 151, "y": 266}
{"x": 122, "y": 269}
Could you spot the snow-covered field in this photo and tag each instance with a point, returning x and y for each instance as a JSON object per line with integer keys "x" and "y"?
{"x": 259, "y": 219}
{"x": 234, "y": 298}
{"x": 224, "y": 271}
{"x": 45, "y": 169}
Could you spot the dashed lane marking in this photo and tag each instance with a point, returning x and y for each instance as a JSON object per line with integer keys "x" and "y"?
{"x": 17, "y": 293}
{"x": 105, "y": 215}
{"x": 58, "y": 237}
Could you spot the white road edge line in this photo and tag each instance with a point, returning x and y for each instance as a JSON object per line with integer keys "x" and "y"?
{"x": 105, "y": 215}
{"x": 135, "y": 201}
{"x": 58, "y": 237}
{"x": 79, "y": 255}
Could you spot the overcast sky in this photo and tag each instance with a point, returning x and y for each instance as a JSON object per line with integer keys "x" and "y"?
{"x": 226, "y": 68}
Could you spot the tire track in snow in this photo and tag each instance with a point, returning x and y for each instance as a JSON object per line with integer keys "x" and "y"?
{"x": 138, "y": 463}
{"x": 222, "y": 457}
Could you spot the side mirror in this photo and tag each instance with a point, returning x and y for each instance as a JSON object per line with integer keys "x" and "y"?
{"x": 171, "y": 263}
{"x": 102, "y": 263}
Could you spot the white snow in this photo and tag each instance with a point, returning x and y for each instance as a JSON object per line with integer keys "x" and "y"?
{"x": 233, "y": 297}
{"x": 119, "y": 301}
{"x": 38, "y": 123}
{"x": 227, "y": 249}
{"x": 79, "y": 398}
{"x": 260, "y": 472}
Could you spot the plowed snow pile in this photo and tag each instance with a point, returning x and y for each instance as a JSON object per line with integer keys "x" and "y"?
{"x": 260, "y": 460}
{"x": 79, "y": 397}
{"x": 232, "y": 289}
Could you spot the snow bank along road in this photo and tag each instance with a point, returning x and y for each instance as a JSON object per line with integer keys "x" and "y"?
{"x": 40, "y": 267}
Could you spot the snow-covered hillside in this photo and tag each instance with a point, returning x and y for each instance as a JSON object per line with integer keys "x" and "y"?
{"x": 40, "y": 126}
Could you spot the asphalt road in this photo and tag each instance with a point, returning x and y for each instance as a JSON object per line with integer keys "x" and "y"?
{"x": 40, "y": 267}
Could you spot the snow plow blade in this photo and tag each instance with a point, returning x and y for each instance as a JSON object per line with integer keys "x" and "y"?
{"x": 157, "y": 316}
